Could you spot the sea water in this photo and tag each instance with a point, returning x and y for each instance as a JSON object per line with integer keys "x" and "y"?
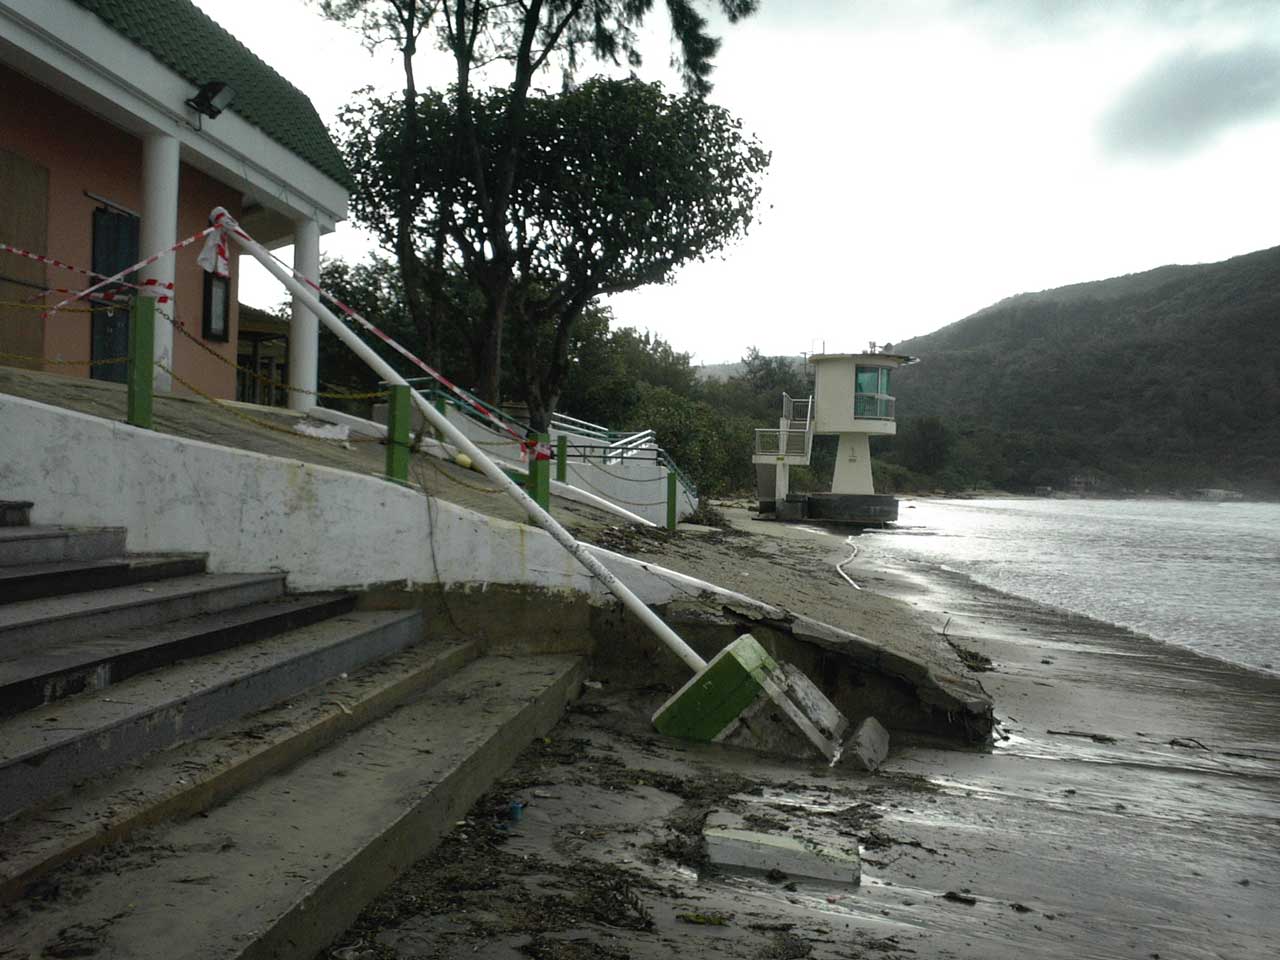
{"x": 1202, "y": 575}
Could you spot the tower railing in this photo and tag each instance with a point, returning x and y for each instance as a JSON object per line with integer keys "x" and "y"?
{"x": 788, "y": 443}
{"x": 872, "y": 406}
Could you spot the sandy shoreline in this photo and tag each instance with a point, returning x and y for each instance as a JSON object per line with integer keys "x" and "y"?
{"x": 1130, "y": 806}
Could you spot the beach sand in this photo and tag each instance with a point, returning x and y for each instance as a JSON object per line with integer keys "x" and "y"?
{"x": 1130, "y": 806}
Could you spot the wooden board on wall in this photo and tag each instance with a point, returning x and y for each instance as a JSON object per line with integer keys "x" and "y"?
{"x": 24, "y": 222}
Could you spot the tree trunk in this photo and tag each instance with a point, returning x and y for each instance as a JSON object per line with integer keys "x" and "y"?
{"x": 411, "y": 276}
{"x": 490, "y": 365}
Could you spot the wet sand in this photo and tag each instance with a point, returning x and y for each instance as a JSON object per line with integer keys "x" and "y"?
{"x": 1129, "y": 808}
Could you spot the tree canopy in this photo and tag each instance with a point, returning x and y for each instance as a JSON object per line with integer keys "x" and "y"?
{"x": 621, "y": 183}
{"x": 477, "y": 206}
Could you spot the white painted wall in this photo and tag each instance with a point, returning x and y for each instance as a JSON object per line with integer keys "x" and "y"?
{"x": 250, "y": 512}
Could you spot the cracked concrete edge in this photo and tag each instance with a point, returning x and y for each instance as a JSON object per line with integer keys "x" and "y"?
{"x": 949, "y": 692}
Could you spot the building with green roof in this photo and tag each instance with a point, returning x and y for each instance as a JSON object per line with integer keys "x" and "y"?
{"x": 119, "y": 141}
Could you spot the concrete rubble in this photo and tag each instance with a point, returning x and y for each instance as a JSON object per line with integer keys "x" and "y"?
{"x": 732, "y": 844}
{"x": 869, "y": 744}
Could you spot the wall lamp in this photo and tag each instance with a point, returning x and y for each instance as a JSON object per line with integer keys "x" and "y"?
{"x": 212, "y": 98}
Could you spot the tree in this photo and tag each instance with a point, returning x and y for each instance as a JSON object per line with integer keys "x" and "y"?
{"x": 608, "y": 368}
{"x": 483, "y": 160}
{"x": 923, "y": 444}
{"x": 621, "y": 183}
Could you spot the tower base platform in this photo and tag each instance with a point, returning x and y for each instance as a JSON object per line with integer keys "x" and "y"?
{"x": 864, "y": 509}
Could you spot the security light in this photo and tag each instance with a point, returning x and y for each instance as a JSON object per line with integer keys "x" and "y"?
{"x": 212, "y": 98}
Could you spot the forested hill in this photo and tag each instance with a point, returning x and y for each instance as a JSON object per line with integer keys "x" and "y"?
{"x": 1168, "y": 379}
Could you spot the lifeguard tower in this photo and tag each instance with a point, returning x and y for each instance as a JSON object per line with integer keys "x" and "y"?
{"x": 852, "y": 398}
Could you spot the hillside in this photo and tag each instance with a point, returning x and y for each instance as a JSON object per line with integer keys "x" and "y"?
{"x": 1168, "y": 379}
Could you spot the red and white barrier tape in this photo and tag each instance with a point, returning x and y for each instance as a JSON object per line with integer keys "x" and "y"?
{"x": 54, "y": 262}
{"x": 141, "y": 264}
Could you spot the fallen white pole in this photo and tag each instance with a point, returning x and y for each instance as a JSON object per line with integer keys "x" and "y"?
{"x": 460, "y": 440}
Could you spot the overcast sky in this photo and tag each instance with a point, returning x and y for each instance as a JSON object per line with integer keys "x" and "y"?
{"x": 929, "y": 156}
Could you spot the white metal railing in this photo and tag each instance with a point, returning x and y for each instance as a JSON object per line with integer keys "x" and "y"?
{"x": 789, "y": 443}
{"x": 629, "y": 446}
{"x": 568, "y": 424}
{"x": 872, "y": 406}
{"x": 798, "y": 413}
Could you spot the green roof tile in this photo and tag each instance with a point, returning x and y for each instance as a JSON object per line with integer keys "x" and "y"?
{"x": 186, "y": 40}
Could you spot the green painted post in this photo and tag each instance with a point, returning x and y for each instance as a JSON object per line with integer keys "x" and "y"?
{"x": 671, "y": 499}
{"x": 399, "y": 411}
{"x": 140, "y": 378}
{"x": 443, "y": 406}
{"x": 540, "y": 475}
{"x": 562, "y": 458}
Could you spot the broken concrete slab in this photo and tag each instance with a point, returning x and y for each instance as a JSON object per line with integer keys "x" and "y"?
{"x": 869, "y": 744}
{"x": 732, "y": 844}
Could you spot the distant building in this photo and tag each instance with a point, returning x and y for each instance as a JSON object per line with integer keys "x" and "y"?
{"x": 1088, "y": 481}
{"x": 1216, "y": 493}
{"x": 106, "y": 158}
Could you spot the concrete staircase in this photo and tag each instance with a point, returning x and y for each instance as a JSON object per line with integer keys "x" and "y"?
{"x": 202, "y": 765}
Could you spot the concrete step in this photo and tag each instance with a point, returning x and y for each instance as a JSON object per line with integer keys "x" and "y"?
{"x": 54, "y": 669}
{"x": 36, "y": 580}
{"x": 282, "y": 868}
{"x": 15, "y": 513}
{"x": 85, "y": 616}
{"x": 194, "y": 777}
{"x": 25, "y": 544}
{"x": 45, "y": 751}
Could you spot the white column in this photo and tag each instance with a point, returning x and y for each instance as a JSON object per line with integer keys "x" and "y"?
{"x": 304, "y": 328}
{"x": 159, "y": 231}
{"x": 853, "y": 465}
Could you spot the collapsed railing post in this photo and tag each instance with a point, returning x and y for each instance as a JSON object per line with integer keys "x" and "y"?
{"x": 399, "y": 415}
{"x": 140, "y": 378}
{"x": 460, "y": 440}
{"x": 671, "y": 499}
{"x": 562, "y": 458}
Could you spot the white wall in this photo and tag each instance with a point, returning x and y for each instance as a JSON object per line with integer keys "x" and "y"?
{"x": 250, "y": 512}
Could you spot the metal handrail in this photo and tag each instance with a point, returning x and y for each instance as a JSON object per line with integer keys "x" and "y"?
{"x": 791, "y": 443}
{"x": 584, "y": 426}
{"x": 636, "y": 441}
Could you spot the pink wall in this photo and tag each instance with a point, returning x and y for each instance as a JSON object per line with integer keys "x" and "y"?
{"x": 83, "y": 152}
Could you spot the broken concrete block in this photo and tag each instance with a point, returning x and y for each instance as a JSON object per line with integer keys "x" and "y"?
{"x": 869, "y": 744}
{"x": 794, "y": 719}
{"x": 813, "y": 703}
{"x": 731, "y": 845}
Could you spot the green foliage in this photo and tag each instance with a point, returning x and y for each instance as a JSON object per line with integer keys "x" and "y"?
{"x": 619, "y": 184}
{"x": 923, "y": 444}
{"x": 714, "y": 449}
